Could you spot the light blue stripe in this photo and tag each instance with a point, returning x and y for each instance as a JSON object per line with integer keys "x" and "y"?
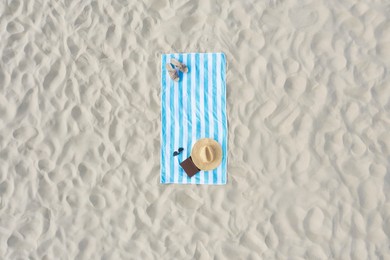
{"x": 197, "y": 92}
{"x": 178, "y": 122}
{"x": 176, "y": 127}
{"x": 219, "y": 112}
{"x": 181, "y": 129}
{"x": 209, "y": 106}
{"x": 187, "y": 150}
{"x": 206, "y": 106}
{"x": 215, "y": 117}
{"x": 215, "y": 108}
{"x": 224, "y": 143}
{"x": 172, "y": 128}
{"x": 206, "y": 96}
{"x": 168, "y": 126}
{"x": 163, "y": 119}
{"x": 193, "y": 104}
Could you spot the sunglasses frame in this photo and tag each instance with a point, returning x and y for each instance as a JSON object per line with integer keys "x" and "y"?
{"x": 175, "y": 153}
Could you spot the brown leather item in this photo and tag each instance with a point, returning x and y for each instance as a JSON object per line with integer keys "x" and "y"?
{"x": 189, "y": 167}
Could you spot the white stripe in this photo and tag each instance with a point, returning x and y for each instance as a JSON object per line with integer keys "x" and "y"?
{"x": 168, "y": 126}
{"x": 201, "y": 105}
{"x": 211, "y": 101}
{"x": 185, "y": 118}
{"x": 176, "y": 122}
{"x": 201, "y": 95}
{"x": 219, "y": 112}
{"x": 193, "y": 104}
{"x": 223, "y": 109}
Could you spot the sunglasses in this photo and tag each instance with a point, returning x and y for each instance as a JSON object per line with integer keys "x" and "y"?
{"x": 175, "y": 153}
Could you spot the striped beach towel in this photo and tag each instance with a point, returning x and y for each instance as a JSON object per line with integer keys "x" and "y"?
{"x": 191, "y": 109}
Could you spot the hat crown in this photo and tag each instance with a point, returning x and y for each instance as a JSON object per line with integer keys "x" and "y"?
{"x": 207, "y": 154}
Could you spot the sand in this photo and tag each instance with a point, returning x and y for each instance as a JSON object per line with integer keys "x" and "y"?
{"x": 308, "y": 101}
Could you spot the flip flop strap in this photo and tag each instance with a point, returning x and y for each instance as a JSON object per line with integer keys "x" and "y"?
{"x": 182, "y": 66}
{"x": 172, "y": 73}
{"x": 178, "y": 64}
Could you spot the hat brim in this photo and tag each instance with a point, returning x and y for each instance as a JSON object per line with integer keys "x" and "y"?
{"x": 197, "y": 159}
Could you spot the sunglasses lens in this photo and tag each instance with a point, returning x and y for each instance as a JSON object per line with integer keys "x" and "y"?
{"x": 175, "y": 153}
{"x": 181, "y": 149}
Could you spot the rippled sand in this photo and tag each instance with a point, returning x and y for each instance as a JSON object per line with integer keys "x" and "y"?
{"x": 308, "y": 90}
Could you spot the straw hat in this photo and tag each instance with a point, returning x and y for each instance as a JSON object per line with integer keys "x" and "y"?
{"x": 206, "y": 154}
